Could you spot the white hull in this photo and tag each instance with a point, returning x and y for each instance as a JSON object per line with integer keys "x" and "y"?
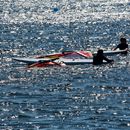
{"x": 67, "y": 61}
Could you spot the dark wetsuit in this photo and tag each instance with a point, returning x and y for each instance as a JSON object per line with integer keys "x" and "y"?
{"x": 98, "y": 59}
{"x": 123, "y": 45}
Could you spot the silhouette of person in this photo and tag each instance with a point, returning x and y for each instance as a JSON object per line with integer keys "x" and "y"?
{"x": 99, "y": 57}
{"x": 122, "y": 46}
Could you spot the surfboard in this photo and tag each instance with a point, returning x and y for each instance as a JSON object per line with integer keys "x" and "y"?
{"x": 64, "y": 60}
{"x": 111, "y": 52}
{"x": 30, "y": 60}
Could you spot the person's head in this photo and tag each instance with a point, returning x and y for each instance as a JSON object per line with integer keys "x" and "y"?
{"x": 123, "y": 40}
{"x": 100, "y": 52}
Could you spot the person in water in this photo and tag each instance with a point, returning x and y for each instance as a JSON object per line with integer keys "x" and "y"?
{"x": 122, "y": 46}
{"x": 99, "y": 57}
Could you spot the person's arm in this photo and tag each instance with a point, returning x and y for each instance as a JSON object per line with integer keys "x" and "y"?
{"x": 116, "y": 47}
{"x": 127, "y": 48}
{"x": 106, "y": 59}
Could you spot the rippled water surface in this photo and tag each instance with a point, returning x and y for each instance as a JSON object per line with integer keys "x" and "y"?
{"x": 63, "y": 98}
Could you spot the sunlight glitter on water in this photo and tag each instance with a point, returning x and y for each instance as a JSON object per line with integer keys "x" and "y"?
{"x": 68, "y": 11}
{"x": 73, "y": 97}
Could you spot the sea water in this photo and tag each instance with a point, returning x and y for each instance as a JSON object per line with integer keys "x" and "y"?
{"x": 80, "y": 97}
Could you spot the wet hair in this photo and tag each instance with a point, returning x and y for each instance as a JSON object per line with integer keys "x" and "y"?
{"x": 123, "y": 40}
{"x": 100, "y": 52}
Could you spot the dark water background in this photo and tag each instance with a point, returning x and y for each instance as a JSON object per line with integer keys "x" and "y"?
{"x": 68, "y": 98}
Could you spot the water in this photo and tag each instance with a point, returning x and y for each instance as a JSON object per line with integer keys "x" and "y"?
{"x": 63, "y": 98}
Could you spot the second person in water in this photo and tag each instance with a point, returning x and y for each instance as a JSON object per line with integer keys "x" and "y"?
{"x": 99, "y": 57}
{"x": 122, "y": 46}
